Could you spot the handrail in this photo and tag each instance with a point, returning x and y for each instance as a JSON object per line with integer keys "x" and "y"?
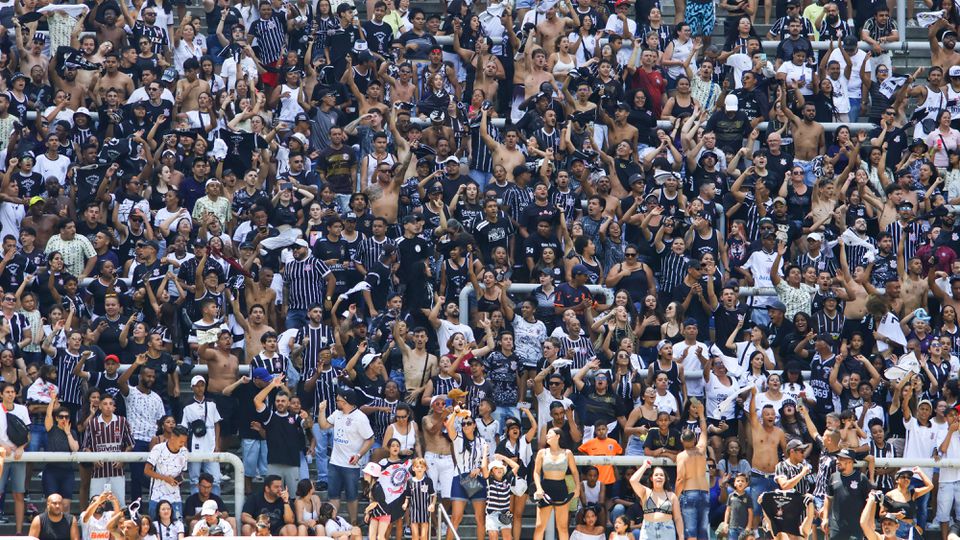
{"x": 628, "y": 461}
{"x": 141, "y": 457}
{"x": 443, "y": 515}
{"x": 514, "y": 288}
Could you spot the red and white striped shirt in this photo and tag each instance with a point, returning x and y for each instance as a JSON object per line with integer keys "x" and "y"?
{"x": 112, "y": 436}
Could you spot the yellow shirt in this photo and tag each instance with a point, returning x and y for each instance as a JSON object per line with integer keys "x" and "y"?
{"x": 812, "y": 12}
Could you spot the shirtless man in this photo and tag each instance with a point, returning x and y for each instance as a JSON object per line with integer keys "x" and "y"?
{"x": 535, "y": 74}
{"x": 254, "y": 325}
{"x": 692, "y": 486}
{"x": 77, "y": 93}
{"x": 620, "y": 128}
{"x": 222, "y": 368}
{"x": 855, "y": 301}
{"x": 808, "y": 137}
{"x": 506, "y": 154}
{"x": 384, "y": 188}
{"x": 190, "y": 87}
{"x": 94, "y": 55}
{"x": 419, "y": 366}
{"x": 913, "y": 288}
{"x": 111, "y": 29}
{"x": 553, "y": 26}
{"x": 767, "y": 440}
{"x": 33, "y": 55}
{"x": 114, "y": 78}
{"x": 942, "y": 54}
{"x": 402, "y": 88}
{"x": 438, "y": 450}
{"x": 260, "y": 293}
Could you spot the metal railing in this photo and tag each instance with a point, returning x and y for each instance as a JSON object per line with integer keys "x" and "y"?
{"x": 442, "y": 512}
{"x": 141, "y": 457}
{"x": 632, "y": 461}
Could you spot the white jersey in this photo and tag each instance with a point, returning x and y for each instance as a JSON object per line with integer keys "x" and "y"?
{"x": 934, "y": 102}
{"x": 953, "y": 102}
{"x": 841, "y": 97}
{"x": 289, "y": 106}
{"x": 855, "y": 84}
{"x": 717, "y": 392}
{"x": 691, "y": 364}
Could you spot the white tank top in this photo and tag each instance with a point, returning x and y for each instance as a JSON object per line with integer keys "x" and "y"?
{"x": 934, "y": 102}
{"x": 408, "y": 441}
{"x": 953, "y": 99}
{"x": 592, "y": 495}
{"x": 681, "y": 51}
{"x": 373, "y": 163}
{"x": 289, "y": 106}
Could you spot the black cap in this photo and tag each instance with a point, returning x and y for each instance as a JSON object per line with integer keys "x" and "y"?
{"x": 302, "y": 117}
{"x": 849, "y": 42}
{"x": 846, "y": 453}
{"x": 826, "y": 338}
{"x": 634, "y": 178}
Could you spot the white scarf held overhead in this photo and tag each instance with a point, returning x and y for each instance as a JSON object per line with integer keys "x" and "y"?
{"x": 74, "y": 10}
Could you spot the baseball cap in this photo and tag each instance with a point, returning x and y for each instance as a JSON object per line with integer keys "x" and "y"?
{"x": 635, "y": 178}
{"x": 731, "y": 103}
{"x": 197, "y": 379}
{"x": 209, "y": 508}
{"x": 111, "y": 358}
{"x": 36, "y": 199}
{"x": 796, "y": 444}
{"x": 826, "y": 338}
{"x": 690, "y": 321}
{"x": 210, "y": 182}
{"x": 846, "y": 453}
{"x": 301, "y": 242}
{"x": 780, "y": 200}
{"x": 368, "y": 359}
{"x": 815, "y": 237}
{"x": 580, "y": 269}
{"x": 497, "y": 464}
{"x": 301, "y": 117}
{"x": 169, "y": 75}
{"x": 954, "y": 71}
{"x": 262, "y": 374}
{"x": 778, "y": 305}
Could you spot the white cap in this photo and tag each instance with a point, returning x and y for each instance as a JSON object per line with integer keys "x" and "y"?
{"x": 209, "y": 508}
{"x": 497, "y": 463}
{"x": 731, "y": 103}
{"x": 301, "y": 242}
{"x": 954, "y": 71}
{"x": 197, "y": 379}
{"x": 815, "y": 236}
{"x": 300, "y": 137}
{"x": 372, "y": 468}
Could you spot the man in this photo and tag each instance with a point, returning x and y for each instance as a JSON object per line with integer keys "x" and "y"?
{"x": 283, "y": 431}
{"x": 352, "y": 438}
{"x": 575, "y": 296}
{"x": 692, "y": 480}
{"x": 948, "y": 490}
{"x": 302, "y": 276}
{"x": 253, "y": 445}
{"x": 923, "y": 437}
{"x": 79, "y": 257}
{"x": 194, "y": 504}
{"x": 108, "y": 433}
{"x": 211, "y": 519}
{"x": 846, "y": 496}
{"x": 13, "y": 472}
{"x": 54, "y": 523}
{"x": 202, "y": 419}
{"x": 692, "y": 355}
{"x": 337, "y": 166}
{"x": 274, "y": 501}
{"x": 731, "y": 125}
{"x": 164, "y": 467}
{"x": 792, "y": 473}
{"x": 757, "y": 270}
{"x": 144, "y": 409}
{"x": 449, "y": 324}
{"x": 94, "y": 520}
{"x": 768, "y": 440}
{"x": 789, "y": 291}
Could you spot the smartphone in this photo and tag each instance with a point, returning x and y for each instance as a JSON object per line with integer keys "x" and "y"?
{"x": 448, "y": 403}
{"x": 107, "y": 488}
{"x": 763, "y": 57}
{"x": 286, "y": 185}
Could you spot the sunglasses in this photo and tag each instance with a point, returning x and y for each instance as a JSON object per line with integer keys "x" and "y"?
{"x": 629, "y": 254}
{"x": 556, "y": 383}
{"x": 9, "y": 299}
{"x": 468, "y": 423}
{"x": 63, "y": 417}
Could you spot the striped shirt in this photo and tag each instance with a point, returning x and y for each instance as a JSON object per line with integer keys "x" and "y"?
{"x": 883, "y": 481}
{"x": 580, "y": 350}
{"x": 787, "y": 469}
{"x": 70, "y": 386}
{"x": 855, "y": 254}
{"x": 305, "y": 282}
{"x": 327, "y": 389}
{"x": 379, "y": 420}
{"x": 913, "y": 233}
{"x": 276, "y": 364}
{"x": 672, "y": 269}
{"x": 144, "y": 410}
{"x": 481, "y": 158}
{"x": 321, "y": 338}
{"x": 517, "y": 199}
{"x": 271, "y": 36}
{"x": 830, "y": 325}
{"x": 498, "y": 493}
{"x": 112, "y": 436}
{"x": 370, "y": 250}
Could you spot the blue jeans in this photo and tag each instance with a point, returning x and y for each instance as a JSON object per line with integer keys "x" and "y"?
{"x": 177, "y": 509}
{"x": 734, "y": 533}
{"x": 345, "y": 480}
{"x": 213, "y": 469}
{"x": 695, "y": 508}
{"x": 38, "y": 438}
{"x": 659, "y": 530}
{"x": 138, "y": 480}
{"x": 324, "y": 439}
{"x": 922, "y": 505}
{"x": 634, "y": 446}
{"x": 855, "y": 109}
{"x": 254, "y": 457}
{"x": 296, "y": 318}
{"x": 759, "y": 484}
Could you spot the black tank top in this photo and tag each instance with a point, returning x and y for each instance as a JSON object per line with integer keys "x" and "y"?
{"x": 798, "y": 205}
{"x": 673, "y": 375}
{"x": 679, "y": 111}
{"x": 670, "y": 205}
{"x": 127, "y": 250}
{"x": 701, "y": 246}
{"x": 636, "y": 284}
{"x": 457, "y": 277}
{"x": 594, "y": 275}
{"x": 55, "y": 530}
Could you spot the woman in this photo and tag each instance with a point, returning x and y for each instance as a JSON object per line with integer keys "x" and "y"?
{"x": 584, "y": 252}
{"x": 721, "y": 416}
{"x": 468, "y": 453}
{"x": 681, "y": 103}
{"x": 661, "y": 509}
{"x": 492, "y": 295}
{"x": 640, "y": 421}
{"x": 583, "y": 42}
{"x": 678, "y": 50}
{"x": 632, "y": 274}
{"x": 756, "y": 342}
{"x": 950, "y": 329}
{"x": 517, "y": 446}
{"x": 549, "y": 265}
{"x": 772, "y": 396}
{"x": 13, "y": 370}
{"x": 649, "y": 322}
{"x": 942, "y": 140}
{"x": 549, "y": 476}
{"x": 903, "y": 499}
{"x": 671, "y": 329}
{"x": 798, "y": 346}
{"x": 589, "y": 526}
{"x": 167, "y": 525}
{"x": 328, "y": 522}
{"x": 793, "y": 426}
{"x": 737, "y": 37}
{"x": 187, "y": 44}
{"x": 561, "y": 62}
{"x": 671, "y": 369}
{"x": 529, "y": 335}
{"x": 164, "y": 430}
{"x": 842, "y": 149}
{"x": 405, "y": 431}
{"x": 613, "y": 327}
{"x": 307, "y": 508}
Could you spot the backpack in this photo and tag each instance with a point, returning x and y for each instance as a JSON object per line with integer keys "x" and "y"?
{"x": 17, "y": 431}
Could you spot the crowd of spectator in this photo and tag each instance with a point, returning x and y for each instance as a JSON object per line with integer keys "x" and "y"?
{"x": 413, "y": 257}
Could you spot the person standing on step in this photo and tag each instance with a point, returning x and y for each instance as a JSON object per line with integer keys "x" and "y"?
{"x": 165, "y": 466}
{"x": 108, "y": 433}
{"x": 11, "y": 443}
{"x": 144, "y": 409}
{"x": 54, "y": 523}
{"x": 202, "y": 418}
{"x": 283, "y": 430}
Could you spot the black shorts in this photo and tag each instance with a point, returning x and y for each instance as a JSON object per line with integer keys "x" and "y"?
{"x": 227, "y": 407}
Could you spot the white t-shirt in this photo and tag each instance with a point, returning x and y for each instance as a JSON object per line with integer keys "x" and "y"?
{"x": 802, "y": 74}
{"x": 739, "y": 62}
{"x": 22, "y": 413}
{"x": 166, "y": 463}
{"x": 195, "y": 411}
{"x": 854, "y": 85}
{"x": 544, "y": 399}
{"x": 841, "y": 97}
{"x": 759, "y": 265}
{"x": 349, "y": 432}
{"x": 920, "y": 442}
{"x": 56, "y": 168}
{"x": 223, "y": 524}
{"x": 667, "y": 403}
{"x": 448, "y": 329}
{"x": 95, "y": 528}
{"x": 691, "y": 364}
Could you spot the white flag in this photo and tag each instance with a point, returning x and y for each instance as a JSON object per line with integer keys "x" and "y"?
{"x": 891, "y": 85}
{"x": 927, "y": 18}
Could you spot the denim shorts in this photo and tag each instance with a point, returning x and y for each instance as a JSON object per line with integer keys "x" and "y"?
{"x": 254, "y": 457}
{"x": 345, "y": 480}
{"x": 760, "y": 484}
{"x": 658, "y": 530}
{"x": 493, "y": 522}
{"x": 948, "y": 498}
{"x": 457, "y": 493}
{"x": 695, "y": 508}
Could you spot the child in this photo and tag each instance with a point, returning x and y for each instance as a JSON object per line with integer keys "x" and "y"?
{"x": 739, "y": 513}
{"x": 376, "y": 514}
{"x": 487, "y": 427}
{"x": 851, "y": 436}
{"x": 591, "y": 490}
{"x": 620, "y": 529}
{"x": 421, "y": 499}
{"x": 600, "y": 445}
{"x": 499, "y": 484}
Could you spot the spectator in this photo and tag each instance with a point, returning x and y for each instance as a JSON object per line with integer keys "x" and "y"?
{"x": 202, "y": 420}
{"x": 14, "y": 440}
{"x": 352, "y": 438}
{"x": 54, "y": 522}
{"x": 211, "y": 519}
{"x": 165, "y": 468}
{"x": 273, "y": 501}
{"x": 108, "y": 433}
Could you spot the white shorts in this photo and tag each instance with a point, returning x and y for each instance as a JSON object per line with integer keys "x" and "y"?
{"x": 441, "y": 471}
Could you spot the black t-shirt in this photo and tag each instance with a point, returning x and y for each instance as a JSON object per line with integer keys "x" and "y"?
{"x": 282, "y": 432}
{"x": 163, "y": 365}
{"x": 786, "y": 510}
{"x": 379, "y": 37}
{"x": 849, "y": 497}
{"x": 13, "y": 272}
{"x": 192, "y": 506}
{"x": 257, "y": 504}
{"x": 247, "y": 411}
